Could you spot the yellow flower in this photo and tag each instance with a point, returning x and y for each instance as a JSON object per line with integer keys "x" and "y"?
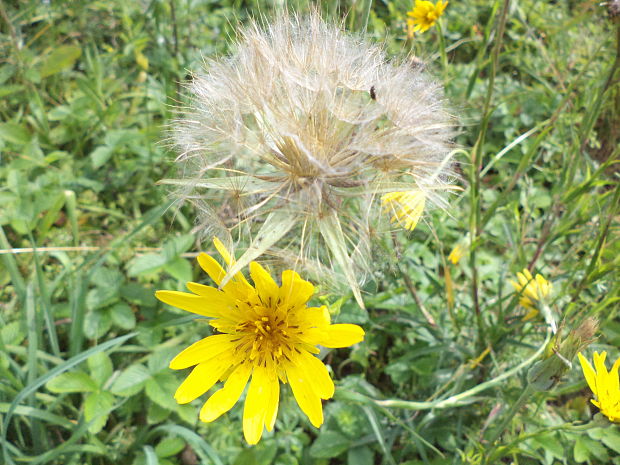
{"x": 604, "y": 385}
{"x": 265, "y": 332}
{"x": 533, "y": 291}
{"x": 457, "y": 253}
{"x": 424, "y": 14}
{"x": 406, "y": 207}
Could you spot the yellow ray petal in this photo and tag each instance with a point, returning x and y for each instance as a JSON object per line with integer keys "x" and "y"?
{"x": 314, "y": 369}
{"x": 294, "y": 291}
{"x": 211, "y": 267}
{"x": 308, "y": 400}
{"x": 202, "y": 350}
{"x": 588, "y": 372}
{"x": 202, "y": 378}
{"x": 614, "y": 381}
{"x": 223, "y": 251}
{"x": 265, "y": 285}
{"x": 228, "y": 258}
{"x": 599, "y": 364}
{"x": 313, "y": 317}
{"x": 190, "y": 302}
{"x": 272, "y": 405}
{"x": 212, "y": 294}
{"x": 342, "y": 335}
{"x": 224, "y": 399}
{"x": 256, "y": 402}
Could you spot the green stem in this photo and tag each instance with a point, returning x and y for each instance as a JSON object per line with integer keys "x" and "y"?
{"x": 477, "y": 155}
{"x": 442, "y": 50}
{"x": 525, "y": 395}
{"x": 461, "y": 399}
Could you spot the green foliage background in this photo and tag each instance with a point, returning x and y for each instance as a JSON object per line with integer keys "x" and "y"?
{"x": 87, "y": 89}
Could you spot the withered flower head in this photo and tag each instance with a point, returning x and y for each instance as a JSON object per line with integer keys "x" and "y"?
{"x": 294, "y": 138}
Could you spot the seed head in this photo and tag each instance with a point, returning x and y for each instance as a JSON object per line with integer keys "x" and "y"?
{"x": 295, "y": 137}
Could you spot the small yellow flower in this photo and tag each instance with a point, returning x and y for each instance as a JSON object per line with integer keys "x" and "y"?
{"x": 533, "y": 291}
{"x": 424, "y": 14}
{"x": 406, "y": 207}
{"x": 265, "y": 332}
{"x": 604, "y": 385}
{"x": 457, "y": 253}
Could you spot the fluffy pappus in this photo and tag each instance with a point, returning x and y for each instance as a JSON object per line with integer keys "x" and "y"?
{"x": 290, "y": 142}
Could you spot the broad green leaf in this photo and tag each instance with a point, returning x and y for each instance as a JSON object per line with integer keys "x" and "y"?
{"x": 360, "y": 456}
{"x": 329, "y": 444}
{"x": 146, "y": 263}
{"x": 160, "y": 359}
{"x": 12, "y": 334}
{"x": 161, "y": 388}
{"x": 101, "y": 155}
{"x": 169, "y": 447}
{"x": 122, "y": 315}
{"x": 139, "y": 295}
{"x": 61, "y": 58}
{"x": 187, "y": 413}
{"x": 14, "y": 133}
{"x": 612, "y": 440}
{"x": 97, "y": 324}
{"x": 179, "y": 268}
{"x": 75, "y": 381}
{"x": 177, "y": 245}
{"x": 156, "y": 415}
{"x": 97, "y": 408}
{"x": 131, "y": 381}
{"x": 100, "y": 297}
{"x": 100, "y": 367}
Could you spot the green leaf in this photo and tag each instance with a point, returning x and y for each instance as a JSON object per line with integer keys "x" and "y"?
{"x": 160, "y": 359}
{"x": 75, "y": 381}
{"x": 32, "y": 387}
{"x": 97, "y": 408}
{"x": 329, "y": 444}
{"x": 11, "y": 333}
{"x": 122, "y": 316}
{"x": 101, "y": 155}
{"x": 61, "y": 58}
{"x": 161, "y": 388}
{"x": 177, "y": 245}
{"x": 612, "y": 440}
{"x": 100, "y": 297}
{"x": 360, "y": 456}
{"x": 14, "y": 133}
{"x": 180, "y": 269}
{"x": 585, "y": 448}
{"x": 150, "y": 456}
{"x": 146, "y": 263}
{"x": 139, "y": 295}
{"x": 131, "y": 381}
{"x": 608, "y": 436}
{"x": 206, "y": 453}
{"x": 100, "y": 367}
{"x": 156, "y": 415}
{"x": 169, "y": 447}
{"x": 97, "y": 324}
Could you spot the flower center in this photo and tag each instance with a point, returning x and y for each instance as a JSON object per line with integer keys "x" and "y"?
{"x": 266, "y": 337}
